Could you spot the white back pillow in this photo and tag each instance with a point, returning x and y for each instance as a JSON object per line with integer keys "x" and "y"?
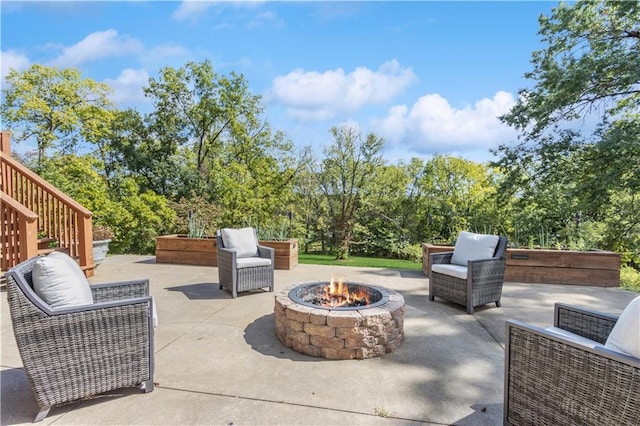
{"x": 243, "y": 241}
{"x": 60, "y": 282}
{"x": 625, "y": 336}
{"x": 470, "y": 246}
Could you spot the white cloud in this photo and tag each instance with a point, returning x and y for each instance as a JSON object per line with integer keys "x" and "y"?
{"x": 128, "y": 86}
{"x": 433, "y": 125}
{"x": 97, "y": 45}
{"x": 165, "y": 55}
{"x": 191, "y": 9}
{"x": 311, "y": 95}
{"x": 11, "y": 59}
{"x": 266, "y": 18}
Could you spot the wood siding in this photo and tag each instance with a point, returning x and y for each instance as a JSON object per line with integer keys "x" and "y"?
{"x": 186, "y": 251}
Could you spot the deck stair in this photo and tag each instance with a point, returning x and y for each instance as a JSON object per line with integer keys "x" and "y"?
{"x": 37, "y": 218}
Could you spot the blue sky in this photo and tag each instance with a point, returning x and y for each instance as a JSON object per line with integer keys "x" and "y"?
{"x": 429, "y": 77}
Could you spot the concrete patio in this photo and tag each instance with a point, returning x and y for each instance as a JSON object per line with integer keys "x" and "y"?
{"x": 218, "y": 361}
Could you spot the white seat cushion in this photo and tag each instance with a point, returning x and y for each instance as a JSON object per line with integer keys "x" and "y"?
{"x": 60, "y": 282}
{"x": 154, "y": 313}
{"x": 470, "y": 246}
{"x": 573, "y": 337}
{"x": 451, "y": 270}
{"x": 250, "y": 262}
{"x": 243, "y": 241}
{"x": 625, "y": 336}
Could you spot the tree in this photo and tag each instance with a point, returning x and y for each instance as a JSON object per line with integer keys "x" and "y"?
{"x": 387, "y": 217}
{"x": 136, "y": 217}
{"x": 346, "y": 177}
{"x": 310, "y": 208}
{"x": 459, "y": 196}
{"x": 133, "y": 148}
{"x": 589, "y": 68}
{"x": 209, "y": 132}
{"x": 53, "y": 106}
{"x": 195, "y": 105}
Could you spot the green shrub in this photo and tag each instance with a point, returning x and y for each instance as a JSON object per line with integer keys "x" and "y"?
{"x": 630, "y": 278}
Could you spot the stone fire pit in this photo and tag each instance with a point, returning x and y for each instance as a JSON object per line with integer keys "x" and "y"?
{"x": 352, "y": 332}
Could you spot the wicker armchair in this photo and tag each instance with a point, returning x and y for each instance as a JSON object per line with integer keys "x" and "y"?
{"x": 75, "y": 352}
{"x": 478, "y": 283}
{"x": 558, "y": 380}
{"x": 243, "y": 270}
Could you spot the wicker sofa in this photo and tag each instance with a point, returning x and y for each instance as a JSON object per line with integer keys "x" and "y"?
{"x": 477, "y": 279}
{"x": 553, "y": 379}
{"x": 70, "y": 353}
{"x": 243, "y": 264}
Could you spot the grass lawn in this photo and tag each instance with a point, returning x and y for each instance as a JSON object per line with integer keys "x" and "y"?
{"x": 328, "y": 259}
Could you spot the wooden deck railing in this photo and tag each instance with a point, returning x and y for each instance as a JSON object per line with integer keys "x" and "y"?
{"x": 19, "y": 231}
{"x": 58, "y": 216}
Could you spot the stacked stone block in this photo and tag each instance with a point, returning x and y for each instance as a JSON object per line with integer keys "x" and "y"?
{"x": 340, "y": 334}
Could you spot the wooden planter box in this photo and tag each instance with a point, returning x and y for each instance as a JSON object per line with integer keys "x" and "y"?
{"x": 186, "y": 251}
{"x": 286, "y": 252}
{"x": 180, "y": 249}
{"x": 595, "y": 267}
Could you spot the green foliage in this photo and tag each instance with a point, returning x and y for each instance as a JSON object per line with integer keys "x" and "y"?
{"x": 590, "y": 62}
{"x": 149, "y": 154}
{"x": 197, "y": 226}
{"x": 135, "y": 218}
{"x": 458, "y": 195}
{"x": 147, "y": 216}
{"x": 345, "y": 178}
{"x": 196, "y": 217}
{"x": 630, "y": 278}
{"x": 570, "y": 179}
{"x": 56, "y": 107}
{"x": 214, "y": 144}
{"x": 278, "y": 230}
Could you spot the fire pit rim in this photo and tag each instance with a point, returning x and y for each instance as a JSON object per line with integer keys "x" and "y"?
{"x": 293, "y": 295}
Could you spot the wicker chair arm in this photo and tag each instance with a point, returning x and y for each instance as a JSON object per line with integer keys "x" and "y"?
{"x": 226, "y": 255}
{"x": 486, "y": 268}
{"x": 97, "y": 306}
{"x": 266, "y": 252}
{"x": 122, "y": 290}
{"x": 585, "y": 322}
{"x": 442, "y": 257}
{"x": 551, "y": 380}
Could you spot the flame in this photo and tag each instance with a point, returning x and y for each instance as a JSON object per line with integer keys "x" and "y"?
{"x": 337, "y": 293}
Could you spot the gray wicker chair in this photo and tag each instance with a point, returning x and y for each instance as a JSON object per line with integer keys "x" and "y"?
{"x": 553, "y": 380}
{"x": 73, "y": 353}
{"x": 241, "y": 276}
{"x": 484, "y": 282}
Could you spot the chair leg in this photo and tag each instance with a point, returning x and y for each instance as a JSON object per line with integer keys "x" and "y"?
{"x": 498, "y": 303}
{"x": 469, "y": 309}
{"x": 432, "y": 298}
{"x": 147, "y": 386}
{"x": 42, "y": 413}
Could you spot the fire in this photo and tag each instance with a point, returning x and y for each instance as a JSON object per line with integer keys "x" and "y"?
{"x": 337, "y": 294}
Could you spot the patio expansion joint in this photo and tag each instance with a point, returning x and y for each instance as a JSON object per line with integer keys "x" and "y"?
{"x": 296, "y": 404}
{"x": 488, "y": 332}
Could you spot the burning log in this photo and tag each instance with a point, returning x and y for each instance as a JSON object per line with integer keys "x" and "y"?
{"x": 337, "y": 294}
